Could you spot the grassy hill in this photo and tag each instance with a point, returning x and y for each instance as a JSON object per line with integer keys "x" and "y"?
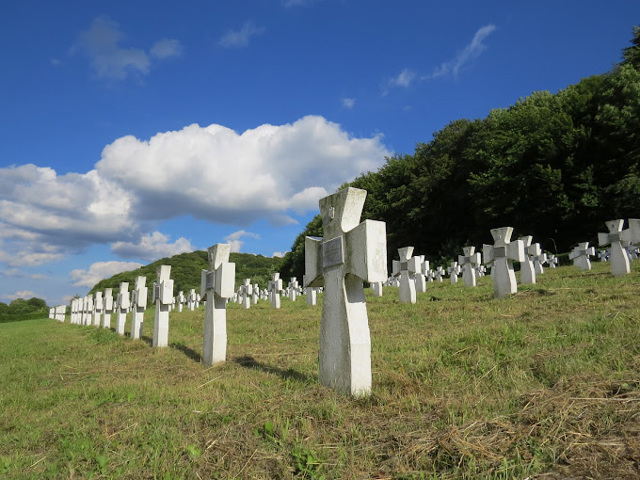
{"x": 544, "y": 384}
{"x": 186, "y": 268}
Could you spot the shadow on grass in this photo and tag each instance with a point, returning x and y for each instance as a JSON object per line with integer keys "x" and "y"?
{"x": 189, "y": 352}
{"x": 248, "y": 361}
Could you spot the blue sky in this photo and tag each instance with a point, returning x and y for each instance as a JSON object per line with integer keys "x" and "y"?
{"x": 136, "y": 130}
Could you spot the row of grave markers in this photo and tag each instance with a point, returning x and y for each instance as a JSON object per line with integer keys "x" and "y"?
{"x": 350, "y": 254}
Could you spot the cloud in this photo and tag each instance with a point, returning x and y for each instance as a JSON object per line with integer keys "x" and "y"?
{"x": 216, "y": 174}
{"x": 240, "y": 38}
{"x": 278, "y": 254}
{"x": 99, "y": 271}
{"x": 469, "y": 53}
{"x": 102, "y": 45}
{"x": 152, "y": 247}
{"x": 211, "y": 173}
{"x": 404, "y": 79}
{"x": 348, "y": 102}
{"x": 14, "y": 272}
{"x": 24, "y": 294}
{"x": 234, "y": 239}
{"x": 166, "y": 48}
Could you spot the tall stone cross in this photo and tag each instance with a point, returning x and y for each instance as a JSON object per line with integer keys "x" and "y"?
{"x": 349, "y": 254}
{"x": 108, "y": 308}
{"x": 527, "y": 268}
{"x": 180, "y": 301}
{"x": 501, "y": 256}
{"x": 255, "y": 294}
{"x": 191, "y": 299}
{"x": 439, "y": 273}
{"x": 552, "y": 261}
{"x": 454, "y": 270}
{"x": 619, "y": 259}
{"x": 293, "y": 289}
{"x": 580, "y": 255}
{"x": 123, "y": 303}
{"x": 406, "y": 269}
{"x": 88, "y": 309}
{"x": 98, "y": 307}
{"x": 217, "y": 285}
{"x": 163, "y": 298}
{"x": 138, "y": 306}
{"x": 274, "y": 288}
{"x": 469, "y": 262}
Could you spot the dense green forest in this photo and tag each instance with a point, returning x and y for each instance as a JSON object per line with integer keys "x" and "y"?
{"x": 555, "y": 166}
{"x": 186, "y": 268}
{"x": 20, "y": 309}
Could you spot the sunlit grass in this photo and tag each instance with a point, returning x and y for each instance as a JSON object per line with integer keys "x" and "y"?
{"x": 464, "y": 386}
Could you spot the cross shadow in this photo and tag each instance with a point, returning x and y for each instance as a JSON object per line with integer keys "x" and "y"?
{"x": 248, "y": 361}
{"x": 189, "y": 352}
{"x": 147, "y": 340}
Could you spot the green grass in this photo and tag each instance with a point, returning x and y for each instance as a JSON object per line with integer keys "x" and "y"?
{"x": 545, "y": 383}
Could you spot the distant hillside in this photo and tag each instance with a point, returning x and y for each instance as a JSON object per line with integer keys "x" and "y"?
{"x": 21, "y": 309}
{"x": 186, "y": 268}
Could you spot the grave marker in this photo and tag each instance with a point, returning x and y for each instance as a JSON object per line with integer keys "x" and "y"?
{"x": 580, "y": 255}
{"x": 162, "y": 297}
{"x": 469, "y": 263}
{"x": 500, "y": 257}
{"x": 122, "y": 306}
{"x": 619, "y": 259}
{"x": 139, "y": 304}
{"x": 349, "y": 254}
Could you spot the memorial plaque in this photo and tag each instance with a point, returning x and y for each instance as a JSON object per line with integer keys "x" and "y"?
{"x": 333, "y": 252}
{"x": 499, "y": 252}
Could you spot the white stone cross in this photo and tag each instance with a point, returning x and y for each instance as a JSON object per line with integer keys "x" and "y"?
{"x": 439, "y": 273}
{"x": 501, "y": 256}
{"x": 162, "y": 297}
{"x": 469, "y": 262}
{"x": 122, "y": 306}
{"x": 527, "y": 268}
{"x": 247, "y": 292}
{"x": 349, "y": 254}
{"x": 580, "y": 255}
{"x": 255, "y": 294}
{"x": 275, "y": 286}
{"x": 552, "y": 260}
{"x": 454, "y": 270}
{"x": 98, "y": 308}
{"x": 108, "y": 308}
{"x": 619, "y": 259}
{"x": 191, "y": 299}
{"x": 138, "y": 306}
{"x": 216, "y": 287}
{"x": 87, "y": 310}
{"x": 180, "y": 301}
{"x": 539, "y": 260}
{"x": 420, "y": 278}
{"x": 405, "y": 269}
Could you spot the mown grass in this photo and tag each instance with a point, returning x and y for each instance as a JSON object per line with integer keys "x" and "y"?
{"x": 544, "y": 384}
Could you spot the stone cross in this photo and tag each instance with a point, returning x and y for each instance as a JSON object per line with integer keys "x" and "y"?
{"x": 527, "y": 269}
{"x": 122, "y": 305}
{"x": 405, "y": 269}
{"x": 469, "y": 262}
{"x": 580, "y": 255}
{"x": 275, "y": 286}
{"x": 180, "y": 301}
{"x": 312, "y": 293}
{"x": 216, "y": 287}
{"x": 293, "y": 289}
{"x": 247, "y": 292}
{"x": 552, "y": 261}
{"x": 620, "y": 264}
{"x": 138, "y": 305}
{"x": 420, "y": 278}
{"x": 439, "y": 273}
{"x": 349, "y": 254}
{"x": 255, "y": 294}
{"x": 88, "y": 309}
{"x": 539, "y": 260}
{"x": 85, "y": 310}
{"x": 162, "y": 297}
{"x": 191, "y": 299}
{"x": 98, "y": 309}
{"x": 108, "y": 308}
{"x": 454, "y": 270}
{"x": 501, "y": 256}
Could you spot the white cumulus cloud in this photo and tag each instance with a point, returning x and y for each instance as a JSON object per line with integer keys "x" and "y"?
{"x": 99, "y": 271}
{"x": 348, "y": 102}
{"x": 166, "y": 48}
{"x": 152, "y": 247}
{"x": 23, "y": 294}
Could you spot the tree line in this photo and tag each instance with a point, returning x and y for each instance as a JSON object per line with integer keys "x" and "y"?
{"x": 555, "y": 166}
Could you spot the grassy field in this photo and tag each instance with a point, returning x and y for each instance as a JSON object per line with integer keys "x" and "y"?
{"x": 544, "y": 384}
